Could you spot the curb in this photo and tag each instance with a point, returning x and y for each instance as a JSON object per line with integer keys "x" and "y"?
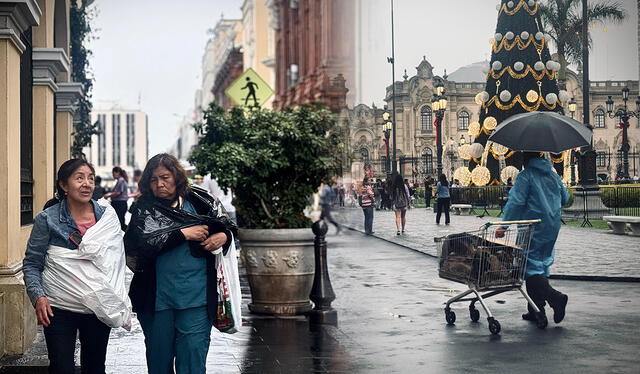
{"x": 583, "y": 278}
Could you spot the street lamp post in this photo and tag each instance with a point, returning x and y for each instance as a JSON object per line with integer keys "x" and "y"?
{"x": 573, "y": 106}
{"x": 439, "y": 106}
{"x": 386, "y": 128}
{"x": 392, "y": 61}
{"x": 624, "y": 115}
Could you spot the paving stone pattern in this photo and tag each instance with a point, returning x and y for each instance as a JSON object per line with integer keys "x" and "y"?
{"x": 579, "y": 251}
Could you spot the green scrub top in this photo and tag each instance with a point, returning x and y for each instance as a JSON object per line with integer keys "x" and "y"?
{"x": 181, "y": 280}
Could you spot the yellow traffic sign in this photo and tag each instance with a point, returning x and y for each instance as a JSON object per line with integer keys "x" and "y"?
{"x": 249, "y": 90}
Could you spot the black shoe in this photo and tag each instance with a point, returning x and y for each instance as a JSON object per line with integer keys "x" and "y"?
{"x": 559, "y": 308}
{"x": 398, "y": 233}
{"x": 531, "y": 317}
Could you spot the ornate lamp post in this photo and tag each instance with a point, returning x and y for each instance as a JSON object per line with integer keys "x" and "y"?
{"x": 439, "y": 106}
{"x": 386, "y": 128}
{"x": 624, "y": 115}
{"x": 392, "y": 61}
{"x": 573, "y": 106}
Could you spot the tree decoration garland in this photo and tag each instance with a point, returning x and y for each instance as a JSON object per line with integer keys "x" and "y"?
{"x": 529, "y": 70}
{"x": 531, "y": 9}
{"x": 521, "y": 43}
{"x": 518, "y": 100}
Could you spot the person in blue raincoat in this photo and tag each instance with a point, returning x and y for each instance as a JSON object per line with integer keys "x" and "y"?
{"x": 538, "y": 193}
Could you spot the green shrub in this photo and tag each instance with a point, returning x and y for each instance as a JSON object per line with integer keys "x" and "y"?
{"x": 273, "y": 161}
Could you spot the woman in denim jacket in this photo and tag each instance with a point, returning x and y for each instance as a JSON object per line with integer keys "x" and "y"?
{"x": 62, "y": 223}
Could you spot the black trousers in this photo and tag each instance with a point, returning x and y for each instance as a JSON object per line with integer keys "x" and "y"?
{"x": 443, "y": 206}
{"x": 326, "y": 215}
{"x": 541, "y": 292}
{"x": 61, "y": 342}
{"x": 121, "y": 209}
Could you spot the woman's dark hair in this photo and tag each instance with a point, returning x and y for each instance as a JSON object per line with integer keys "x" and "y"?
{"x": 170, "y": 163}
{"x": 528, "y": 156}
{"x": 65, "y": 171}
{"x": 123, "y": 174}
{"x": 397, "y": 183}
{"x": 443, "y": 180}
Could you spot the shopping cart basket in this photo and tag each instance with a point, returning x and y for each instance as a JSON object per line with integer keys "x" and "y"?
{"x": 491, "y": 259}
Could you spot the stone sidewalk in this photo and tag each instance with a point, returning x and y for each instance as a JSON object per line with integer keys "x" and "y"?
{"x": 580, "y": 253}
{"x": 390, "y": 312}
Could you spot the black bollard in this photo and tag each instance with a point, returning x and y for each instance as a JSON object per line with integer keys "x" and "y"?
{"x": 322, "y": 293}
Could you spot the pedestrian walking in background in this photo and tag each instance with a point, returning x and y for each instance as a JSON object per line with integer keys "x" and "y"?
{"x": 367, "y": 200}
{"x": 120, "y": 194}
{"x": 378, "y": 188}
{"x": 56, "y": 237}
{"x": 134, "y": 190}
{"x": 341, "y": 194}
{"x": 224, "y": 196}
{"x": 443, "y": 199}
{"x": 174, "y": 232}
{"x": 98, "y": 191}
{"x": 428, "y": 191}
{"x": 401, "y": 201}
{"x": 538, "y": 193}
{"x": 326, "y": 202}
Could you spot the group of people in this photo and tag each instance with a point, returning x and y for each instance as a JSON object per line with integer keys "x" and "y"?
{"x": 170, "y": 243}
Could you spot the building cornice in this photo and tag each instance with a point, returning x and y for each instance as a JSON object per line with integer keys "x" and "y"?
{"x": 47, "y": 64}
{"x": 67, "y": 97}
{"x": 16, "y": 17}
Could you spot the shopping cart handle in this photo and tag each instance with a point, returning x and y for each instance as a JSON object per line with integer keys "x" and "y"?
{"x": 523, "y": 222}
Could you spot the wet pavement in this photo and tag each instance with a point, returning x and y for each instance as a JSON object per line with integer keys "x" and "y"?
{"x": 580, "y": 252}
{"x": 390, "y": 310}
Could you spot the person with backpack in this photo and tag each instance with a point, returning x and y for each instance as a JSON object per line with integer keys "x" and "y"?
{"x": 401, "y": 201}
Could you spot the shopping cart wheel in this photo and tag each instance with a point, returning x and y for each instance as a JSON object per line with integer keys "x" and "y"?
{"x": 494, "y": 326}
{"x": 474, "y": 314}
{"x": 450, "y": 316}
{"x": 541, "y": 320}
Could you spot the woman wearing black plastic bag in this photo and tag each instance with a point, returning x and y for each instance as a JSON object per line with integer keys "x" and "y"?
{"x": 174, "y": 232}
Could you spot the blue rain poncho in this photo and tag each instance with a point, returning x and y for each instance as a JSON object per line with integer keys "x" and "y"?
{"x": 538, "y": 193}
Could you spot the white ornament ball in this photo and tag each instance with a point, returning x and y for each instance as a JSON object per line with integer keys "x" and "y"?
{"x": 551, "y": 98}
{"x": 509, "y": 35}
{"x": 563, "y": 96}
{"x": 550, "y": 65}
{"x": 505, "y": 96}
{"x": 476, "y": 150}
{"x": 484, "y": 96}
{"x": 497, "y": 65}
{"x": 524, "y": 35}
{"x": 510, "y": 4}
{"x": 539, "y": 35}
{"x": 518, "y": 66}
{"x": 531, "y": 3}
{"x": 498, "y": 36}
{"x": 539, "y": 66}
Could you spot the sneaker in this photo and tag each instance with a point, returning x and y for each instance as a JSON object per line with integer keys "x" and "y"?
{"x": 402, "y": 232}
{"x": 560, "y": 308}
{"x": 529, "y": 317}
{"x": 398, "y": 233}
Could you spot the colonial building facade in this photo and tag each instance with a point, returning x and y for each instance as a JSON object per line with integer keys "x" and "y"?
{"x": 37, "y": 105}
{"x": 416, "y": 136}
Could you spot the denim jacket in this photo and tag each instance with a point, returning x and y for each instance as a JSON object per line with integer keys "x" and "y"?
{"x": 52, "y": 226}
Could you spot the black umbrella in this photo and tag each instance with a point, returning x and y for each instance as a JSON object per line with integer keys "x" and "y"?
{"x": 541, "y": 132}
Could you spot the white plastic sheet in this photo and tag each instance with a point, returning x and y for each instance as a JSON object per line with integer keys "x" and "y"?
{"x": 91, "y": 279}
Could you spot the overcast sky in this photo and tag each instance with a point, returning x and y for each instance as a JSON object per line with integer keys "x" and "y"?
{"x": 152, "y": 49}
{"x": 455, "y": 33}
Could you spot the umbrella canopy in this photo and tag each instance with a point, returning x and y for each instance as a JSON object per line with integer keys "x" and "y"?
{"x": 541, "y": 132}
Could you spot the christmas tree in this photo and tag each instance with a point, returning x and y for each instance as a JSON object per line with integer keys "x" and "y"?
{"x": 521, "y": 77}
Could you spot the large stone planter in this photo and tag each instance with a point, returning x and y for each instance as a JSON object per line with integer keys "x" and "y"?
{"x": 280, "y": 267}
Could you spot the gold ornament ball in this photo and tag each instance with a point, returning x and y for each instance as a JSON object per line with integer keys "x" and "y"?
{"x": 480, "y": 176}
{"x": 463, "y": 175}
{"x": 532, "y": 96}
{"x": 490, "y": 123}
{"x": 463, "y": 151}
{"x": 478, "y": 99}
{"x": 509, "y": 172}
{"x": 474, "y": 129}
{"x": 499, "y": 149}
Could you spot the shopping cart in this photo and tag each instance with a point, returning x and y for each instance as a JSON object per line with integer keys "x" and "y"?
{"x": 491, "y": 259}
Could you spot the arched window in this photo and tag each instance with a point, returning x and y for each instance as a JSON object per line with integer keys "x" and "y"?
{"x": 427, "y": 157}
{"x": 598, "y": 115}
{"x": 426, "y": 122}
{"x": 463, "y": 120}
{"x": 365, "y": 154}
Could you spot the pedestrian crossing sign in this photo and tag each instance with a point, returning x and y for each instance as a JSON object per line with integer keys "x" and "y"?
{"x": 249, "y": 90}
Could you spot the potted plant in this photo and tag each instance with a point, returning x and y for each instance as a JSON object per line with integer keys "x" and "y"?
{"x": 273, "y": 161}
